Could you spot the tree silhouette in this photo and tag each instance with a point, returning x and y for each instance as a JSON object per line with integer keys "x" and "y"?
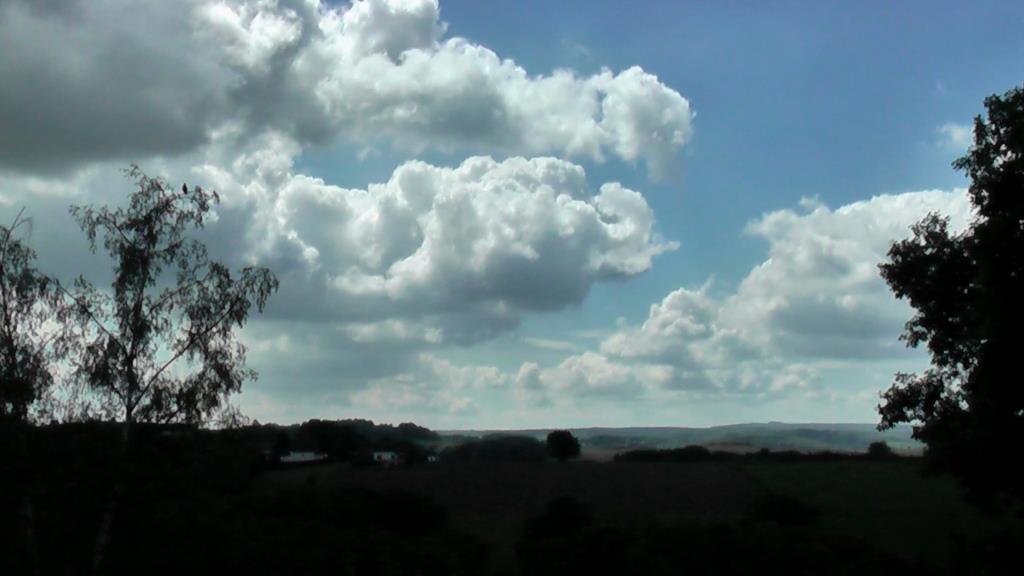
{"x": 27, "y": 302}
{"x": 967, "y": 290}
{"x": 133, "y": 337}
{"x": 562, "y": 445}
{"x": 880, "y": 450}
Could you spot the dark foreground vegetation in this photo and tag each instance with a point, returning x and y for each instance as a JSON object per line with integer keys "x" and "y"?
{"x": 192, "y": 501}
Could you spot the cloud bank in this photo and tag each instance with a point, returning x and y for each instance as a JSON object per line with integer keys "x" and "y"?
{"x": 816, "y": 301}
{"x": 812, "y": 322}
{"x": 436, "y": 254}
{"x": 151, "y": 77}
{"x": 381, "y": 281}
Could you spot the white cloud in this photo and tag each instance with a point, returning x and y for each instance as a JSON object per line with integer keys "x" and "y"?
{"x": 956, "y": 137}
{"x": 575, "y": 50}
{"x": 377, "y": 280}
{"x": 431, "y": 386}
{"x": 428, "y": 246}
{"x": 153, "y": 77}
{"x": 816, "y": 302}
{"x": 819, "y": 292}
{"x": 434, "y": 256}
{"x": 705, "y": 356}
{"x": 229, "y": 94}
{"x": 463, "y": 251}
{"x": 587, "y": 376}
{"x": 549, "y": 344}
{"x": 249, "y": 35}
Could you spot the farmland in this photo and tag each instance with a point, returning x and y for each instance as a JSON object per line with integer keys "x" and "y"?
{"x": 197, "y": 502}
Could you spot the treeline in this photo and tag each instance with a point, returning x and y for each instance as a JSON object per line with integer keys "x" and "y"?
{"x": 497, "y": 448}
{"x": 348, "y": 440}
{"x": 344, "y": 440}
{"x": 694, "y": 453}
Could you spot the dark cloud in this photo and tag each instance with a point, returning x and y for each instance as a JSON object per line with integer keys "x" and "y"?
{"x": 89, "y": 83}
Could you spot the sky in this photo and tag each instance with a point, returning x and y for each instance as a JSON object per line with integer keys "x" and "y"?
{"x": 513, "y": 214}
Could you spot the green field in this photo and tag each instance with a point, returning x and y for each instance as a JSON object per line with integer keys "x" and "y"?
{"x": 196, "y": 504}
{"x": 494, "y": 500}
{"x": 891, "y": 505}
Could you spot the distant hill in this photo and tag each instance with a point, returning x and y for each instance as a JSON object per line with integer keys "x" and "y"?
{"x": 812, "y": 437}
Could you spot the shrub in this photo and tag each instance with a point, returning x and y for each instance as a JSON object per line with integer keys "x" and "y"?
{"x": 562, "y": 445}
{"x": 880, "y": 450}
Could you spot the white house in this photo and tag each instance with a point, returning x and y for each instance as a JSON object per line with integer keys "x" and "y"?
{"x": 385, "y": 458}
{"x": 302, "y": 457}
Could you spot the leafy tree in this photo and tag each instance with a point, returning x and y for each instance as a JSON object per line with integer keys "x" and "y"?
{"x": 562, "y": 445}
{"x": 156, "y": 348}
{"x": 26, "y": 303}
{"x": 497, "y": 448}
{"x": 282, "y": 444}
{"x": 880, "y": 450}
{"x": 968, "y": 289}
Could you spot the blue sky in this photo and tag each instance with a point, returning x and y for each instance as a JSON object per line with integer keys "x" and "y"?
{"x": 810, "y": 135}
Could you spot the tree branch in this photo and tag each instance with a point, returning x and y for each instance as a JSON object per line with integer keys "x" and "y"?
{"x": 92, "y": 316}
{"x": 188, "y": 345}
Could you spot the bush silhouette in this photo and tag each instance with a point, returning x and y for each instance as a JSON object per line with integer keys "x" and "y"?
{"x": 498, "y": 449}
{"x": 562, "y": 445}
{"x": 880, "y": 450}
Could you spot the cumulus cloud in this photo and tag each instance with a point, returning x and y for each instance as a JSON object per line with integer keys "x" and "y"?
{"x": 375, "y": 278}
{"x": 955, "y": 137}
{"x": 153, "y": 77}
{"x": 688, "y": 334}
{"x": 323, "y": 371}
{"x": 816, "y": 301}
{"x": 549, "y": 344}
{"x": 819, "y": 292}
{"x": 460, "y": 253}
{"x": 431, "y": 385}
{"x": 229, "y": 94}
{"x": 434, "y": 255}
{"x": 378, "y": 280}
{"x": 587, "y": 376}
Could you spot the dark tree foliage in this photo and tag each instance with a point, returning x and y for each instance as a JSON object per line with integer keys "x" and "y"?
{"x": 880, "y": 450}
{"x": 968, "y": 289}
{"x": 159, "y": 347}
{"x": 691, "y": 453}
{"x": 497, "y": 449}
{"x": 335, "y": 439}
{"x": 562, "y": 445}
{"x": 27, "y": 302}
